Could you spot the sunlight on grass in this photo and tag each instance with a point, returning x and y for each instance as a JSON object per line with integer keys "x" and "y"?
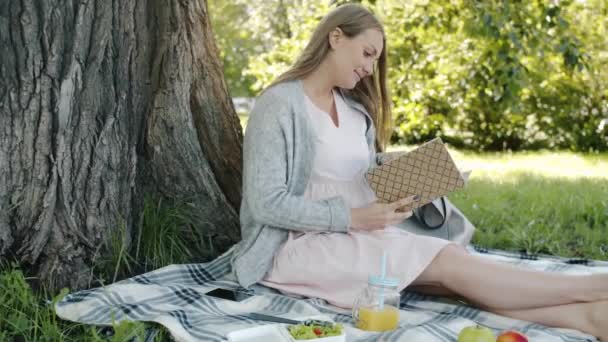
{"x": 243, "y": 118}
{"x": 537, "y": 202}
{"x": 504, "y": 167}
{"x": 547, "y": 164}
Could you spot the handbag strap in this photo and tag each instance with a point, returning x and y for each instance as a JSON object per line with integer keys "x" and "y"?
{"x": 445, "y": 215}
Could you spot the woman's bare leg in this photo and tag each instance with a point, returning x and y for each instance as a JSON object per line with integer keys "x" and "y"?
{"x": 589, "y": 317}
{"x": 506, "y": 287}
{"x": 434, "y": 290}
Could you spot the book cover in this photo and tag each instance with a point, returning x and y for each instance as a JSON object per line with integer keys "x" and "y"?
{"x": 428, "y": 171}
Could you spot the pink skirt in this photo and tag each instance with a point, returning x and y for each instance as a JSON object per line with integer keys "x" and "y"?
{"x": 336, "y": 266}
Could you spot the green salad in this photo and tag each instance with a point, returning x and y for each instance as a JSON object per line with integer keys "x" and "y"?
{"x": 309, "y": 332}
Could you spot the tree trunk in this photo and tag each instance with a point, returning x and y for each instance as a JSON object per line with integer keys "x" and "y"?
{"x": 101, "y": 102}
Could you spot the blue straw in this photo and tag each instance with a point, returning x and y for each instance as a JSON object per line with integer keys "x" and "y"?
{"x": 382, "y": 276}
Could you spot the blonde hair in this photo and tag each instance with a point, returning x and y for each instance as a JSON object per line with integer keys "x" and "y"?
{"x": 371, "y": 92}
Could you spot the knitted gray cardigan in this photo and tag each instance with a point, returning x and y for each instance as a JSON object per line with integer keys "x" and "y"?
{"x": 278, "y": 154}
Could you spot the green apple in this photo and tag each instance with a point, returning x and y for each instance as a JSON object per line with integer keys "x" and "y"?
{"x": 476, "y": 333}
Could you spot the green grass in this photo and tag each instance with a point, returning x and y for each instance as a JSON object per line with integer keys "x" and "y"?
{"x": 541, "y": 202}
{"x": 243, "y": 118}
{"x": 167, "y": 235}
{"x": 525, "y": 211}
{"x": 26, "y": 316}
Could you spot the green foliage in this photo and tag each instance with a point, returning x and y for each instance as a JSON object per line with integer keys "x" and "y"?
{"x": 496, "y": 75}
{"x": 245, "y": 32}
{"x": 26, "y": 316}
{"x": 284, "y": 48}
{"x": 169, "y": 235}
{"x": 235, "y": 43}
{"x": 166, "y": 235}
{"x": 18, "y": 306}
{"x": 488, "y": 75}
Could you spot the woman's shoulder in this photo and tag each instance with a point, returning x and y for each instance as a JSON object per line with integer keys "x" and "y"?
{"x": 274, "y": 103}
{"x": 283, "y": 90}
{"x": 277, "y": 98}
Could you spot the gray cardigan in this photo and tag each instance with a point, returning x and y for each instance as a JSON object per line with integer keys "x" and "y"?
{"x": 278, "y": 152}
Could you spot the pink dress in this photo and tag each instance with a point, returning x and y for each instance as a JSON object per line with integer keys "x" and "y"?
{"x": 335, "y": 266}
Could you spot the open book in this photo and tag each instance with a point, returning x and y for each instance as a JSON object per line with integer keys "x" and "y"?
{"x": 428, "y": 171}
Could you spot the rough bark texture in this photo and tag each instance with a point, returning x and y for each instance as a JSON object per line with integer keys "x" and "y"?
{"x": 100, "y": 102}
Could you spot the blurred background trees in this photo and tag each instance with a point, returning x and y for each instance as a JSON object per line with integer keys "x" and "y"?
{"x": 483, "y": 75}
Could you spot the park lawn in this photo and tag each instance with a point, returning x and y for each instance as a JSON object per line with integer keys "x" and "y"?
{"x": 243, "y": 119}
{"x": 538, "y": 202}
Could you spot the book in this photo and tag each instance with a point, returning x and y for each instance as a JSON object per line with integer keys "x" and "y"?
{"x": 428, "y": 171}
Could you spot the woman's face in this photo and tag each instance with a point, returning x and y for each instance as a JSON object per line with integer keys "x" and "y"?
{"x": 354, "y": 58}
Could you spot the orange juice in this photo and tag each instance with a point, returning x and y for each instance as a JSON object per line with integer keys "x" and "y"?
{"x": 375, "y": 319}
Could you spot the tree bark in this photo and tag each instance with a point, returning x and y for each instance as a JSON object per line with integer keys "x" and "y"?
{"x": 101, "y": 102}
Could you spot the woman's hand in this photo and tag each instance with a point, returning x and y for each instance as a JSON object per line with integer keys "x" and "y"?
{"x": 379, "y": 215}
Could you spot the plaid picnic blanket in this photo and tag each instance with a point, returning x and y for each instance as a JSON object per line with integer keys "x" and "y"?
{"x": 173, "y": 296}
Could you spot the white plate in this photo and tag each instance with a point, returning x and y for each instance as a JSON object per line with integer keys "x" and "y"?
{"x": 273, "y": 333}
{"x": 263, "y": 333}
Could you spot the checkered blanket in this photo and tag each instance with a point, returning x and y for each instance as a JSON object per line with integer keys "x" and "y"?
{"x": 173, "y": 296}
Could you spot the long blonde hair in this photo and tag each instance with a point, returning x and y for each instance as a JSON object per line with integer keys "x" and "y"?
{"x": 371, "y": 92}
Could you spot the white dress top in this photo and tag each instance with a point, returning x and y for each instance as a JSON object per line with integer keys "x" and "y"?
{"x": 341, "y": 156}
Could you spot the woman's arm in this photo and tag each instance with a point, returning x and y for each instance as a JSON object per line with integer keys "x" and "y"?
{"x": 265, "y": 176}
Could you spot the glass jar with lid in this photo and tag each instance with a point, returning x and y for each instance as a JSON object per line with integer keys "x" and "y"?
{"x": 377, "y": 307}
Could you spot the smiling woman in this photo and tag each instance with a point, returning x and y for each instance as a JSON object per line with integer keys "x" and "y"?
{"x": 348, "y": 46}
{"x": 312, "y": 226}
{"x": 351, "y": 60}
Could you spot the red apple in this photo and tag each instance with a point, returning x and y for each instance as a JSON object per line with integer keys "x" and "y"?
{"x": 511, "y": 336}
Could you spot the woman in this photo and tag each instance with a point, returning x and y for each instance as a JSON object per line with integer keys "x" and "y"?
{"x": 310, "y": 222}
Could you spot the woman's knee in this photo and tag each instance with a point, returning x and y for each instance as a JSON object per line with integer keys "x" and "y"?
{"x": 451, "y": 252}
{"x": 438, "y": 271}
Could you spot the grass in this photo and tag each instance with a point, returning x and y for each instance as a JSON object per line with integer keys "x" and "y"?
{"x": 547, "y": 202}
{"x": 26, "y": 316}
{"x": 167, "y": 235}
{"x": 540, "y": 202}
{"x": 525, "y": 211}
{"x": 243, "y": 118}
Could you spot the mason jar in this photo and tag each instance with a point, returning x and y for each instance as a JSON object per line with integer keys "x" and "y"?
{"x": 377, "y": 307}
